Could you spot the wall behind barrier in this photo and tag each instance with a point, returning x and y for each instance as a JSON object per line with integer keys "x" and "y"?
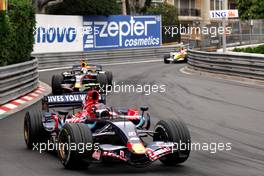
{"x": 57, "y": 33}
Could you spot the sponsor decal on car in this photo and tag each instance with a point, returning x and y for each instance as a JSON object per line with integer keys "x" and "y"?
{"x": 66, "y": 98}
{"x": 97, "y": 154}
{"x": 156, "y": 154}
{"x": 121, "y": 156}
{"x": 132, "y": 133}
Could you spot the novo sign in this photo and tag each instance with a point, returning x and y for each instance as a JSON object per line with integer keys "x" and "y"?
{"x": 58, "y": 33}
{"x": 121, "y": 32}
{"x": 55, "y": 34}
{"x": 224, "y": 13}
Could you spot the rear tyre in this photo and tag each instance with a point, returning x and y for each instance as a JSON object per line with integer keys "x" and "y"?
{"x": 185, "y": 59}
{"x": 102, "y": 80}
{"x": 165, "y": 59}
{"x": 76, "y": 134}
{"x": 100, "y": 68}
{"x": 109, "y": 76}
{"x": 173, "y": 130}
{"x": 34, "y": 131}
{"x": 56, "y": 82}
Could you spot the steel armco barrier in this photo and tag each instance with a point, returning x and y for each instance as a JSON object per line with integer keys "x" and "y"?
{"x": 54, "y": 60}
{"x": 17, "y": 80}
{"x": 231, "y": 63}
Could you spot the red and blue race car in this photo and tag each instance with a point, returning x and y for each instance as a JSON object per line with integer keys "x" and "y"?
{"x": 107, "y": 132}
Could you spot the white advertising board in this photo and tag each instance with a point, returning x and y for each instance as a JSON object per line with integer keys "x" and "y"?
{"x": 224, "y": 13}
{"x": 57, "y": 33}
{"x": 63, "y": 33}
{"x": 157, "y": 1}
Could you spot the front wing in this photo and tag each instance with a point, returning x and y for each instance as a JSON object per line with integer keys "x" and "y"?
{"x": 154, "y": 151}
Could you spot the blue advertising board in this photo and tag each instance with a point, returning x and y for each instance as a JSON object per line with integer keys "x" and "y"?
{"x": 117, "y": 31}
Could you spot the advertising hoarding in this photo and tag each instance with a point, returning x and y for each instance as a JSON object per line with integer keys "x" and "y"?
{"x": 57, "y": 33}
{"x": 224, "y": 14}
{"x": 121, "y": 32}
{"x": 61, "y": 33}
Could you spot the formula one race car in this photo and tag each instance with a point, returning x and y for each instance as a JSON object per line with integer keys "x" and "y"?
{"x": 81, "y": 78}
{"x": 175, "y": 57}
{"x": 108, "y": 133}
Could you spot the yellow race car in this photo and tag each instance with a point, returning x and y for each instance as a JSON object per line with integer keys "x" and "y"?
{"x": 176, "y": 57}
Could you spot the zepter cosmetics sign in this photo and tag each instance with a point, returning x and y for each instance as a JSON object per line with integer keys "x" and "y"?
{"x": 121, "y": 32}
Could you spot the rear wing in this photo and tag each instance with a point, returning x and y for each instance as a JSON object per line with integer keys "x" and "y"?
{"x": 67, "y": 100}
{"x": 96, "y": 67}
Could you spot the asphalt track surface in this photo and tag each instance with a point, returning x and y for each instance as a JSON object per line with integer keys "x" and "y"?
{"x": 215, "y": 110}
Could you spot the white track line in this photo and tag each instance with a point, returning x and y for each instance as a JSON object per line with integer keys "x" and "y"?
{"x": 19, "y": 101}
{"x": 2, "y": 111}
{"x": 34, "y": 94}
{"x": 28, "y": 98}
{"x": 185, "y": 72}
{"x": 52, "y": 69}
{"x": 118, "y": 63}
{"x": 38, "y": 91}
{"x": 10, "y": 106}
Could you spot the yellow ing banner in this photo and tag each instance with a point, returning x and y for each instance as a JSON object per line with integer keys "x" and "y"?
{"x": 2, "y": 5}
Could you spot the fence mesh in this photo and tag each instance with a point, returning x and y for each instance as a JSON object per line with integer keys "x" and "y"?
{"x": 242, "y": 33}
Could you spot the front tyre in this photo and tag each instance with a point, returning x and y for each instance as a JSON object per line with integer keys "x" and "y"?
{"x": 109, "y": 77}
{"x": 56, "y": 82}
{"x": 34, "y": 131}
{"x": 166, "y": 57}
{"x": 102, "y": 80}
{"x": 78, "y": 135}
{"x": 173, "y": 130}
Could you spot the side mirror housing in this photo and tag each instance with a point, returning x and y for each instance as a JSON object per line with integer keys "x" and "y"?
{"x": 144, "y": 108}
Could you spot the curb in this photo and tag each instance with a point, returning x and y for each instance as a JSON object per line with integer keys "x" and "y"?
{"x": 25, "y": 101}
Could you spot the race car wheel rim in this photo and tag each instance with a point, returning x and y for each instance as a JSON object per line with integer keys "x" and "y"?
{"x": 64, "y": 146}
{"x": 161, "y": 134}
{"x": 26, "y": 131}
{"x": 62, "y": 152}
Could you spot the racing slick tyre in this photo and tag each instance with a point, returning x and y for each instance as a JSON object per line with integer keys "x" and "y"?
{"x": 109, "y": 76}
{"x": 102, "y": 80}
{"x": 56, "y": 82}
{"x": 185, "y": 59}
{"x": 173, "y": 130}
{"x": 165, "y": 59}
{"x": 100, "y": 67}
{"x": 34, "y": 132}
{"x": 75, "y": 134}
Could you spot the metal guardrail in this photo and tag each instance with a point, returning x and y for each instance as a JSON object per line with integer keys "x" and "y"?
{"x": 53, "y": 60}
{"x": 231, "y": 63}
{"x": 17, "y": 80}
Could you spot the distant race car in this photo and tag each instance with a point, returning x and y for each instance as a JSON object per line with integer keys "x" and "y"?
{"x": 81, "y": 78}
{"x": 176, "y": 57}
{"x": 110, "y": 133}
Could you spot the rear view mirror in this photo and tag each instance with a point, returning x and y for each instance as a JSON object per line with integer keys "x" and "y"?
{"x": 144, "y": 108}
